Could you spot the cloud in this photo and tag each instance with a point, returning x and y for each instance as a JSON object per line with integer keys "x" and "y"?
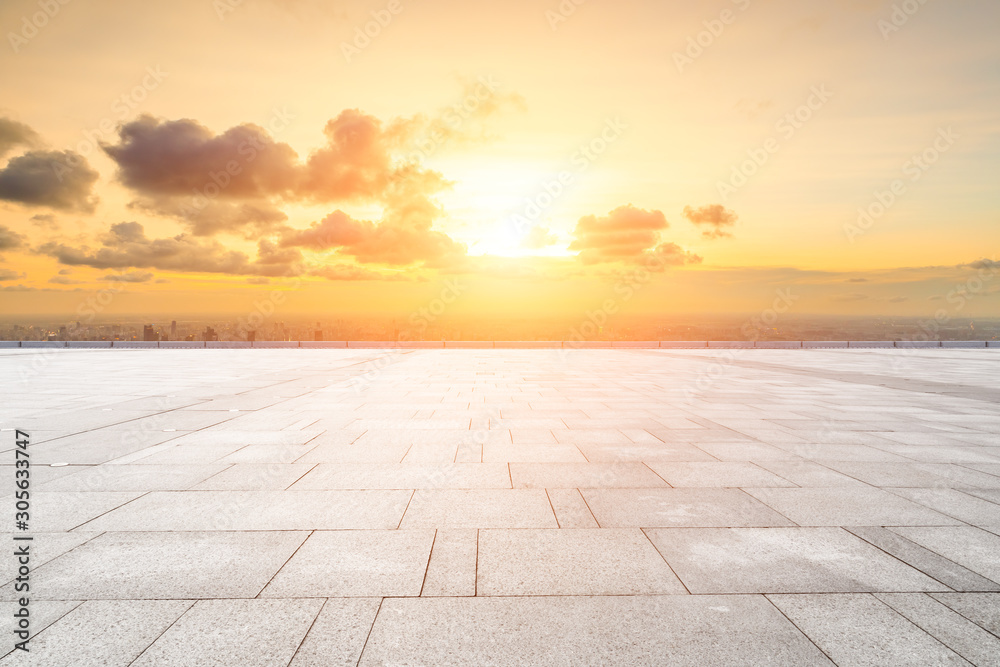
{"x": 857, "y": 280}
{"x": 44, "y": 221}
{"x": 7, "y": 274}
{"x": 61, "y": 180}
{"x": 207, "y": 217}
{"x": 356, "y": 163}
{"x": 13, "y": 133}
{"x": 402, "y": 238}
{"x": 9, "y": 239}
{"x": 127, "y": 246}
{"x": 130, "y": 277}
{"x": 899, "y": 299}
{"x": 65, "y": 280}
{"x": 670, "y": 254}
{"x": 236, "y": 181}
{"x": 624, "y": 234}
{"x": 184, "y": 158}
{"x": 715, "y": 216}
{"x": 984, "y": 264}
{"x": 539, "y": 237}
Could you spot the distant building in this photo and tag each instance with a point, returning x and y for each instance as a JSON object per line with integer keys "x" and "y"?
{"x": 149, "y": 334}
{"x": 251, "y": 336}
{"x": 319, "y": 333}
{"x": 173, "y": 329}
{"x": 210, "y": 335}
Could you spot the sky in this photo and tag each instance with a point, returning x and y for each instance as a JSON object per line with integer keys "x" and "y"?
{"x": 531, "y": 158}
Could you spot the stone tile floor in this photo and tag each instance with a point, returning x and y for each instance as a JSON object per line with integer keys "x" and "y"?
{"x": 507, "y": 507}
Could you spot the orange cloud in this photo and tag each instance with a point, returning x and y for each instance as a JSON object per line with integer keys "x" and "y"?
{"x": 716, "y": 217}
{"x": 624, "y": 234}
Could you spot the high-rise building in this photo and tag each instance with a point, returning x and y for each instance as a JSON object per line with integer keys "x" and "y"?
{"x": 149, "y": 334}
{"x": 173, "y": 329}
{"x": 210, "y": 334}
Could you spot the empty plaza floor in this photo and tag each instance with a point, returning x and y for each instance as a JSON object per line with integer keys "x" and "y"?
{"x": 505, "y": 507}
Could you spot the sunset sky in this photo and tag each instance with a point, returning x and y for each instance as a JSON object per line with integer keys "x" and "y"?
{"x": 195, "y": 156}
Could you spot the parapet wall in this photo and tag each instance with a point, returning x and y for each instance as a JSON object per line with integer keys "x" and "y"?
{"x": 506, "y": 345}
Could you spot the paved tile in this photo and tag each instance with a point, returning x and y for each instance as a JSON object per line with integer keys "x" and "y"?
{"x": 43, "y": 547}
{"x": 134, "y": 478}
{"x": 101, "y": 632}
{"x": 143, "y": 566}
{"x": 572, "y": 562}
{"x": 983, "y": 609}
{"x": 583, "y": 475}
{"x": 406, "y": 476}
{"x": 849, "y": 507}
{"x": 808, "y": 473}
{"x": 783, "y": 560}
{"x": 970, "y": 547}
{"x": 640, "y": 453}
{"x": 671, "y": 629}
{"x": 452, "y": 568}
{"x": 934, "y": 565}
{"x": 258, "y": 510}
{"x": 716, "y": 474}
{"x": 43, "y": 613}
{"x": 518, "y": 453}
{"x": 862, "y": 630}
{"x": 338, "y": 634}
{"x": 60, "y": 511}
{"x": 489, "y": 493}
{"x": 355, "y": 563}
{"x": 231, "y": 436}
{"x": 962, "y": 506}
{"x": 486, "y": 508}
{"x": 956, "y": 632}
{"x": 884, "y": 474}
{"x": 234, "y": 632}
{"x": 655, "y": 508}
{"x": 571, "y": 509}
{"x": 255, "y": 477}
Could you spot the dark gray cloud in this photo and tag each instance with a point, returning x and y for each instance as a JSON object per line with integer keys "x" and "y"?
{"x": 13, "y": 134}
{"x": 9, "y": 239}
{"x": 185, "y": 158}
{"x": 61, "y": 180}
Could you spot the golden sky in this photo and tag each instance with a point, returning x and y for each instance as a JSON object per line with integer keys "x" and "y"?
{"x": 674, "y": 157}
